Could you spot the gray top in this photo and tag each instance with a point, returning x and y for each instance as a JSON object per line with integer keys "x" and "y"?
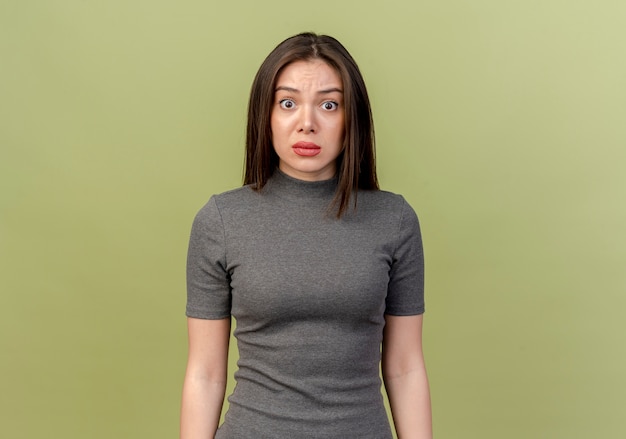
{"x": 309, "y": 293}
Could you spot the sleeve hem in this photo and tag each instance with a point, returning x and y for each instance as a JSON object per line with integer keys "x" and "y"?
{"x": 206, "y": 316}
{"x": 406, "y": 313}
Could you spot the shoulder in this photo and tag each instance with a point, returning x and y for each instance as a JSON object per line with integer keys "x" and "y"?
{"x": 389, "y": 212}
{"x": 384, "y": 202}
{"x": 221, "y": 204}
{"x": 381, "y": 196}
{"x": 233, "y": 198}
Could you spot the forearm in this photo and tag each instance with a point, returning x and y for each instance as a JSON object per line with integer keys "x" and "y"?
{"x": 409, "y": 398}
{"x": 201, "y": 407}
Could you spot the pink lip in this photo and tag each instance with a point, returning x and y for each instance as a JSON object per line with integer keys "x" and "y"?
{"x": 306, "y": 149}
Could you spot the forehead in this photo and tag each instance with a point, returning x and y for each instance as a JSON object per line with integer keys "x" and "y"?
{"x": 314, "y": 73}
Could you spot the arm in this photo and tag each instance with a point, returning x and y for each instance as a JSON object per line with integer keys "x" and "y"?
{"x": 404, "y": 374}
{"x": 205, "y": 378}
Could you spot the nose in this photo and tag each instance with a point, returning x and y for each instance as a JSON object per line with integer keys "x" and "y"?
{"x": 307, "y": 120}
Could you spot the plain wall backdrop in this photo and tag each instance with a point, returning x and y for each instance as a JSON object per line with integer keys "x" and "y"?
{"x": 502, "y": 123}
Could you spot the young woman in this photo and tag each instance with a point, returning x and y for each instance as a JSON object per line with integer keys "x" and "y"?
{"x": 318, "y": 266}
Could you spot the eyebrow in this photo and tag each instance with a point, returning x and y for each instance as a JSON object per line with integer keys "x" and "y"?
{"x": 295, "y": 90}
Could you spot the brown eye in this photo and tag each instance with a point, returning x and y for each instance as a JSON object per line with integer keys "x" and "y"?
{"x": 330, "y": 105}
{"x": 287, "y": 104}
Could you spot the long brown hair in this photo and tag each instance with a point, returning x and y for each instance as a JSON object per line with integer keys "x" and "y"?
{"x": 356, "y": 165}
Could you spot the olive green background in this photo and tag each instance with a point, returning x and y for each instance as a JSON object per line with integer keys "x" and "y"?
{"x": 502, "y": 122}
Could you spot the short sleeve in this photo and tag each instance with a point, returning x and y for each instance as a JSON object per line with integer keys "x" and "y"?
{"x": 208, "y": 282}
{"x": 405, "y": 294}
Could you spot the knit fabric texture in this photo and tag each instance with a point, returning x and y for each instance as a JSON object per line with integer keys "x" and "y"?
{"x": 309, "y": 293}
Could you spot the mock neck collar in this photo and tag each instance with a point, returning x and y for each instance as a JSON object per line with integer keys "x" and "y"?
{"x": 292, "y": 188}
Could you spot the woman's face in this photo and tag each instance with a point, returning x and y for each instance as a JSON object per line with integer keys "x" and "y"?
{"x": 307, "y": 120}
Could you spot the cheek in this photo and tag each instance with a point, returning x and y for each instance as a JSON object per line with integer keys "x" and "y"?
{"x": 275, "y": 128}
{"x": 341, "y": 127}
{"x": 277, "y": 125}
{"x": 272, "y": 124}
{"x": 340, "y": 131}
